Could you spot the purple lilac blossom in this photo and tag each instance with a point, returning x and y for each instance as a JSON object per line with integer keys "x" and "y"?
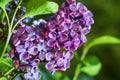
{"x": 28, "y": 48}
{"x": 53, "y": 41}
{"x": 67, "y": 29}
{"x": 33, "y": 74}
{"x": 66, "y": 32}
{"x": 18, "y": 78}
{"x": 60, "y": 61}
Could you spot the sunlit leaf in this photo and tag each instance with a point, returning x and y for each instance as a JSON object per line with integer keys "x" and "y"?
{"x": 3, "y": 78}
{"x": 40, "y": 7}
{"x": 104, "y": 40}
{"x": 3, "y": 3}
{"x": 92, "y": 66}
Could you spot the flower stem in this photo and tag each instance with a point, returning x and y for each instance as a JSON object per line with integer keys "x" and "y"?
{"x": 8, "y": 35}
{"x": 9, "y": 71}
{"x": 77, "y": 72}
{"x": 8, "y": 21}
{"x": 9, "y": 28}
{"x": 6, "y": 44}
{"x": 17, "y": 23}
{"x": 5, "y": 63}
{"x": 18, "y": 74}
{"x": 85, "y": 51}
{"x": 15, "y": 12}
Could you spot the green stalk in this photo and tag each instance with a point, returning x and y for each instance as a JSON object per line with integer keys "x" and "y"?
{"x": 9, "y": 71}
{"x": 85, "y": 51}
{"x": 5, "y": 63}
{"x": 77, "y": 72}
{"x": 6, "y": 44}
{"x": 14, "y": 78}
{"x": 8, "y": 35}
{"x": 17, "y": 23}
{"x": 9, "y": 28}
{"x": 78, "y": 68}
{"x": 8, "y": 21}
{"x": 15, "y": 12}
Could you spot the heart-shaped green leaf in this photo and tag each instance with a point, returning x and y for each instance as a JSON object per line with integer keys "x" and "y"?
{"x": 92, "y": 66}
{"x": 100, "y": 41}
{"x": 3, "y": 3}
{"x": 104, "y": 40}
{"x": 40, "y": 7}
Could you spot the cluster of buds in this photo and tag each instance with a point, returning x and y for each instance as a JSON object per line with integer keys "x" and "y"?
{"x": 52, "y": 41}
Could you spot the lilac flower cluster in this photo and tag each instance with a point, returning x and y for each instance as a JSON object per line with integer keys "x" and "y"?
{"x": 52, "y": 41}
{"x": 66, "y": 32}
{"x": 28, "y": 47}
{"x": 68, "y": 28}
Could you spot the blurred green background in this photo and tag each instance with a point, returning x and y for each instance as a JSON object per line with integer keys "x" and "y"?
{"x": 107, "y": 22}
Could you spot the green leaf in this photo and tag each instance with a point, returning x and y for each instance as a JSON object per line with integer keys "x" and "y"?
{"x": 92, "y": 66}
{"x": 0, "y": 11}
{"x": 100, "y": 41}
{"x": 104, "y": 40}
{"x": 3, "y": 78}
{"x": 66, "y": 78}
{"x": 1, "y": 30}
{"x": 76, "y": 55}
{"x": 8, "y": 48}
{"x": 2, "y": 17}
{"x": 1, "y": 46}
{"x": 40, "y": 7}
{"x": 85, "y": 77}
{"x": 5, "y": 65}
{"x": 57, "y": 76}
{"x": 45, "y": 74}
{"x": 3, "y": 3}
